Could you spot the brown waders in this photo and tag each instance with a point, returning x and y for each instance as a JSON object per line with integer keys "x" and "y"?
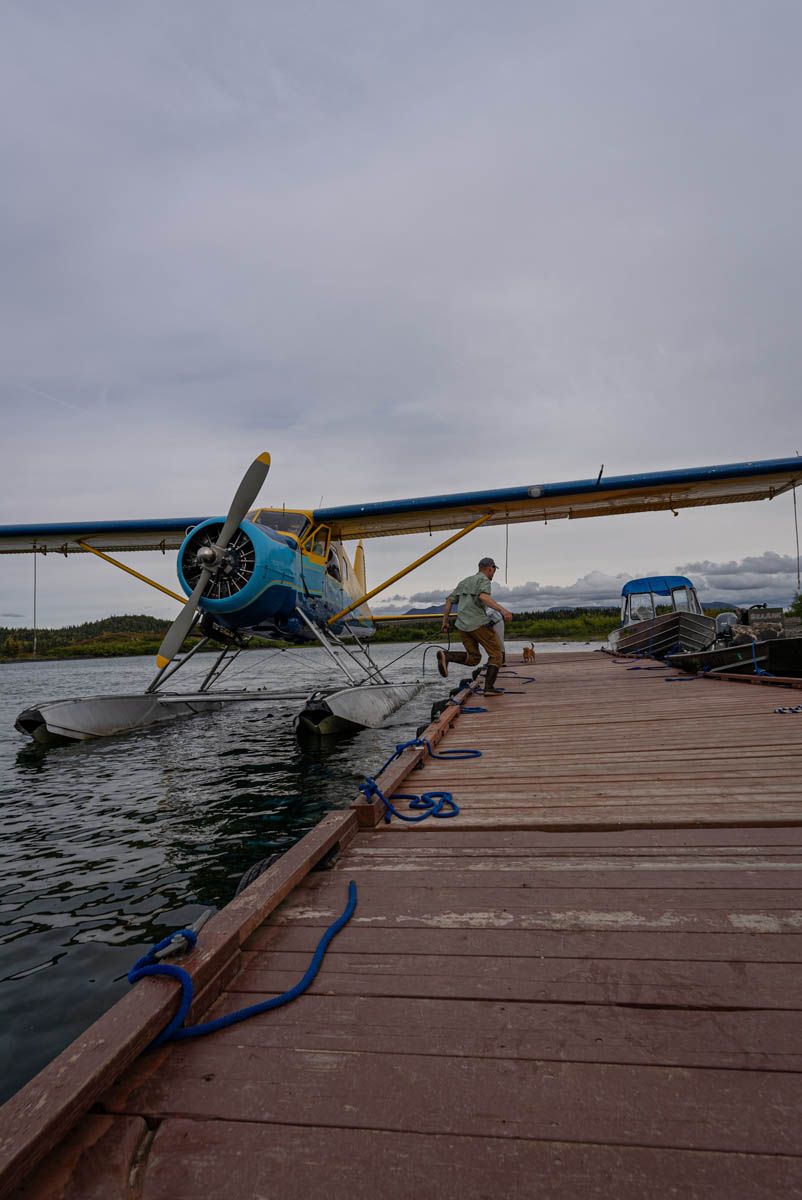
{"x": 486, "y": 637}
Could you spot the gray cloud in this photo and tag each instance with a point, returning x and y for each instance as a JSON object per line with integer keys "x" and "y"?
{"x": 408, "y": 249}
{"x": 766, "y": 577}
{"x": 757, "y": 578}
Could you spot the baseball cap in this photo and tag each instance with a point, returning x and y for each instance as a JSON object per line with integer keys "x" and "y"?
{"x": 487, "y": 562}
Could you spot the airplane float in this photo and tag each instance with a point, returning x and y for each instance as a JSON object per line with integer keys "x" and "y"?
{"x": 284, "y": 573}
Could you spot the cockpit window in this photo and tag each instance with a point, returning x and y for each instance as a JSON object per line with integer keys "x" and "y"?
{"x": 318, "y": 541}
{"x": 282, "y": 521}
{"x": 333, "y": 565}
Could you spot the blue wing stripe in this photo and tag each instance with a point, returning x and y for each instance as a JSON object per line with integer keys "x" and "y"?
{"x": 575, "y": 487}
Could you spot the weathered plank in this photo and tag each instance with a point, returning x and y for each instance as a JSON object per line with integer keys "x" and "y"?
{"x": 524, "y": 943}
{"x": 735, "y": 1038}
{"x": 563, "y": 980}
{"x": 232, "y": 1161}
{"x": 740, "y": 1111}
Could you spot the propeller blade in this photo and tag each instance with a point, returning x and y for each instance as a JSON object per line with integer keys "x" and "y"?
{"x": 244, "y": 497}
{"x": 243, "y": 500}
{"x": 180, "y": 627}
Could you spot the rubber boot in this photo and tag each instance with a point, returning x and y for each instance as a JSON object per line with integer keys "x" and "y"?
{"x": 490, "y": 682}
{"x": 445, "y": 657}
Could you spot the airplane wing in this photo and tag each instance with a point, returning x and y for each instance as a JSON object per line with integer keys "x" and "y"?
{"x": 160, "y": 534}
{"x": 601, "y": 497}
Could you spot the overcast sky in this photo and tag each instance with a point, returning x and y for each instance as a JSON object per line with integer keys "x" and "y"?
{"x": 408, "y": 248}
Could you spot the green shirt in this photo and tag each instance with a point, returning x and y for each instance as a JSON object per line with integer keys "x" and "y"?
{"x": 471, "y": 613}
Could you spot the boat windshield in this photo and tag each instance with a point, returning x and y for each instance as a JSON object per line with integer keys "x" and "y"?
{"x": 686, "y": 600}
{"x": 641, "y": 607}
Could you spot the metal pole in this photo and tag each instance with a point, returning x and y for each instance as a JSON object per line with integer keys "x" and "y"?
{"x": 34, "y": 600}
{"x": 165, "y": 672}
{"x": 796, "y": 530}
{"x": 324, "y": 643}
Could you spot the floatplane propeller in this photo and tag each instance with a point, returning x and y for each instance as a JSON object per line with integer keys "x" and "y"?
{"x": 284, "y": 573}
{"x": 212, "y": 557}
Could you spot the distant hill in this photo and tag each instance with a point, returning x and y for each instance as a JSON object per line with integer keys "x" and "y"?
{"x": 111, "y": 636}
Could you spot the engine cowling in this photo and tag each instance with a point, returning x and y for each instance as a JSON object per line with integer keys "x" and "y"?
{"x": 257, "y": 580}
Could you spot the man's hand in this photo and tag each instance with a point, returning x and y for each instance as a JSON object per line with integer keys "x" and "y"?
{"x": 506, "y": 614}
{"x": 444, "y": 627}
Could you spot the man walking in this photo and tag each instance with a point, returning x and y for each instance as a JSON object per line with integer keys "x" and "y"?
{"x": 472, "y": 595}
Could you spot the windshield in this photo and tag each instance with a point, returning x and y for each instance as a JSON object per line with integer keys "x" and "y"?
{"x": 283, "y": 521}
{"x": 640, "y": 606}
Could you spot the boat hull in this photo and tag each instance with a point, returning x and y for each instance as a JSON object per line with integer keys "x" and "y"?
{"x": 674, "y": 631}
{"x": 777, "y": 656}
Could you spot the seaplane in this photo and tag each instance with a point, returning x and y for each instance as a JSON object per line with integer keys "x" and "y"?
{"x": 284, "y": 573}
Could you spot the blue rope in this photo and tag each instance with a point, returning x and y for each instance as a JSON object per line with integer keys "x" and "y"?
{"x": 758, "y": 670}
{"x": 797, "y": 708}
{"x": 476, "y": 708}
{"x": 447, "y": 754}
{"x": 176, "y": 1030}
{"x": 432, "y": 804}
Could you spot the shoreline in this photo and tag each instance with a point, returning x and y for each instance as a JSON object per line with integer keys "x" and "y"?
{"x": 94, "y": 654}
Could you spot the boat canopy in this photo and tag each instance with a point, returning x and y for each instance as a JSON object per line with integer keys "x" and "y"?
{"x": 661, "y": 585}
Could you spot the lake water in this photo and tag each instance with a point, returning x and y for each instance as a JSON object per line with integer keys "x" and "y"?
{"x": 107, "y": 846}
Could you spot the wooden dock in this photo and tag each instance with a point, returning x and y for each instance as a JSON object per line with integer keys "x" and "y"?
{"x": 587, "y": 984}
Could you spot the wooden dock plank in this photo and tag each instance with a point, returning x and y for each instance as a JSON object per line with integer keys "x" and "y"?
{"x": 739, "y": 1038}
{"x": 524, "y": 943}
{"x": 575, "y": 980}
{"x": 231, "y": 1161}
{"x": 679, "y": 1107}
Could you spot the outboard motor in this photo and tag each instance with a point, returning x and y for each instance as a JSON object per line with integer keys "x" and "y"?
{"x": 724, "y": 627}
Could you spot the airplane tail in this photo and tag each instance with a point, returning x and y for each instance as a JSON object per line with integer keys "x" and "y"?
{"x": 359, "y": 566}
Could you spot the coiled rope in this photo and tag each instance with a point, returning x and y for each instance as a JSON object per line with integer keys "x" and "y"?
{"x": 430, "y": 804}
{"x": 175, "y": 1030}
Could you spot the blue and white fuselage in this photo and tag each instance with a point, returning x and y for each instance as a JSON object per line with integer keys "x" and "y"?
{"x": 270, "y": 573}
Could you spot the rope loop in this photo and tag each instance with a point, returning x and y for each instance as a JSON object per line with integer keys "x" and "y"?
{"x": 454, "y": 755}
{"x": 431, "y": 804}
{"x": 175, "y": 1028}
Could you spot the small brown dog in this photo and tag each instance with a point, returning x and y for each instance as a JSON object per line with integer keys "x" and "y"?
{"x": 529, "y": 653}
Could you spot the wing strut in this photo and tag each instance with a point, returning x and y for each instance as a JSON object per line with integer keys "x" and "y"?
{"x": 130, "y": 571}
{"x": 400, "y": 574}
